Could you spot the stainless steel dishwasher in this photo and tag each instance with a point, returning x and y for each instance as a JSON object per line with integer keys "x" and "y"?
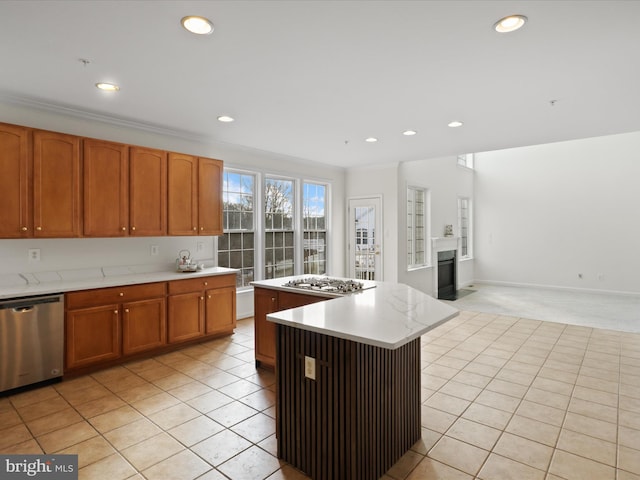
{"x": 31, "y": 340}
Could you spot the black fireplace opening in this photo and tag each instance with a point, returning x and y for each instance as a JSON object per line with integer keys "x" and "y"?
{"x": 447, "y": 275}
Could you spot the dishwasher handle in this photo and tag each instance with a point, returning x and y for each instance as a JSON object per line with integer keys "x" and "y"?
{"x": 23, "y": 309}
{"x": 23, "y": 305}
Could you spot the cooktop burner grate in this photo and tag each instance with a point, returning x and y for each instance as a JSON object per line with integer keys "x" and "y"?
{"x": 325, "y": 284}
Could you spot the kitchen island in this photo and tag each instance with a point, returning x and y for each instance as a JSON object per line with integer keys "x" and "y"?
{"x": 348, "y": 377}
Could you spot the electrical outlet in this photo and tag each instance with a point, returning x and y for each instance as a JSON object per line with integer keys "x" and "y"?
{"x": 33, "y": 255}
{"x": 155, "y": 250}
{"x": 199, "y": 246}
{"x": 310, "y": 367}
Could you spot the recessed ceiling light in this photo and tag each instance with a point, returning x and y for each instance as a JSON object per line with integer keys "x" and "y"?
{"x": 108, "y": 87}
{"x": 371, "y": 139}
{"x": 408, "y": 133}
{"x": 455, "y": 124}
{"x": 197, "y": 25}
{"x": 510, "y": 23}
{"x": 225, "y": 118}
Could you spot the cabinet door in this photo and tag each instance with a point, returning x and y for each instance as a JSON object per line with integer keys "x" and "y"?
{"x": 15, "y": 181}
{"x": 106, "y": 192}
{"x": 147, "y": 192}
{"x": 210, "y": 196}
{"x": 220, "y": 310}
{"x": 144, "y": 325}
{"x": 265, "y": 302}
{"x": 287, "y": 300}
{"x": 56, "y": 185}
{"x": 182, "y": 194}
{"x": 186, "y": 313}
{"x": 92, "y": 336}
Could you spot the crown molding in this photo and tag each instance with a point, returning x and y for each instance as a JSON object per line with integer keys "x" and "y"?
{"x": 60, "y": 109}
{"x": 100, "y": 117}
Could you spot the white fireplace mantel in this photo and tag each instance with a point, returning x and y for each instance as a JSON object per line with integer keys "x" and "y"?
{"x": 441, "y": 244}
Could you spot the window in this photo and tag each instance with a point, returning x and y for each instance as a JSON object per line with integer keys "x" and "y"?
{"x": 279, "y": 248}
{"x": 314, "y": 222}
{"x": 416, "y": 227}
{"x": 464, "y": 226}
{"x": 466, "y": 160}
{"x": 236, "y": 246}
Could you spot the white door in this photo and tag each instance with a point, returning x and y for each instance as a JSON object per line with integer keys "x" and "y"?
{"x": 365, "y": 238}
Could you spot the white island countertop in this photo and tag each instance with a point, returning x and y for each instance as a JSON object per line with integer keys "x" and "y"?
{"x": 60, "y": 282}
{"x": 388, "y": 316}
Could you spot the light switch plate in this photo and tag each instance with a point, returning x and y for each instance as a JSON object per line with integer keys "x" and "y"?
{"x": 310, "y": 367}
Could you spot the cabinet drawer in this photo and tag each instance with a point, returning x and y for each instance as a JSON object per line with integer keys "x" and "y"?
{"x": 202, "y": 283}
{"x": 105, "y": 296}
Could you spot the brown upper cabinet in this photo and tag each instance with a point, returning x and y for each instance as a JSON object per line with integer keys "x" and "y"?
{"x": 15, "y": 178}
{"x": 125, "y": 190}
{"x": 56, "y": 185}
{"x": 106, "y": 189}
{"x": 147, "y": 192}
{"x": 41, "y": 183}
{"x": 210, "y": 196}
{"x": 194, "y": 195}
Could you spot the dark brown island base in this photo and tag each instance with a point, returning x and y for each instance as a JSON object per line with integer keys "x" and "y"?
{"x": 348, "y": 378}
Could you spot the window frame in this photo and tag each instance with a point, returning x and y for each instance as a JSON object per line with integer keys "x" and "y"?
{"x": 411, "y": 252}
{"x": 466, "y": 160}
{"x": 295, "y": 223}
{"x": 255, "y": 230}
{"x": 469, "y": 227}
{"x": 326, "y": 230}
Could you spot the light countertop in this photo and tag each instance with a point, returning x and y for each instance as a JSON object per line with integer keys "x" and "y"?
{"x": 388, "y": 316}
{"x": 60, "y": 282}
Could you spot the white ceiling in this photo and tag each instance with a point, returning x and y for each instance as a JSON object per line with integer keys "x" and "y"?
{"x": 312, "y": 79}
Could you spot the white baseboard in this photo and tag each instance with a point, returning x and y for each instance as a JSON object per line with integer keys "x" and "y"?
{"x": 555, "y": 287}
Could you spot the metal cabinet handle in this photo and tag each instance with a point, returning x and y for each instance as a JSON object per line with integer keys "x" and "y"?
{"x": 121, "y": 294}
{"x": 39, "y": 228}
{"x": 201, "y": 298}
{"x": 133, "y": 229}
{"x": 195, "y": 228}
{"x": 24, "y": 229}
{"x": 126, "y": 310}
{"x": 206, "y": 283}
{"x": 208, "y": 296}
{"x": 115, "y": 311}
{"x": 124, "y": 229}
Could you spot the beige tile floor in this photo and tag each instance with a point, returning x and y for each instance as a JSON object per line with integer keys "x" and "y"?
{"x": 503, "y": 398}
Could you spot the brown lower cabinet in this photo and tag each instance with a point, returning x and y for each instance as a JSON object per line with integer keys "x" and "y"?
{"x": 201, "y": 306}
{"x": 106, "y": 325}
{"x": 267, "y": 301}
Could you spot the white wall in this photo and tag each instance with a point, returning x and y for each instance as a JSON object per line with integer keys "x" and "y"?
{"x": 546, "y": 213}
{"x": 80, "y": 253}
{"x": 445, "y": 182}
{"x": 379, "y": 181}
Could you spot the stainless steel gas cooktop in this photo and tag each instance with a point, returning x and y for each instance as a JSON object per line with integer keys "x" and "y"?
{"x": 329, "y": 285}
